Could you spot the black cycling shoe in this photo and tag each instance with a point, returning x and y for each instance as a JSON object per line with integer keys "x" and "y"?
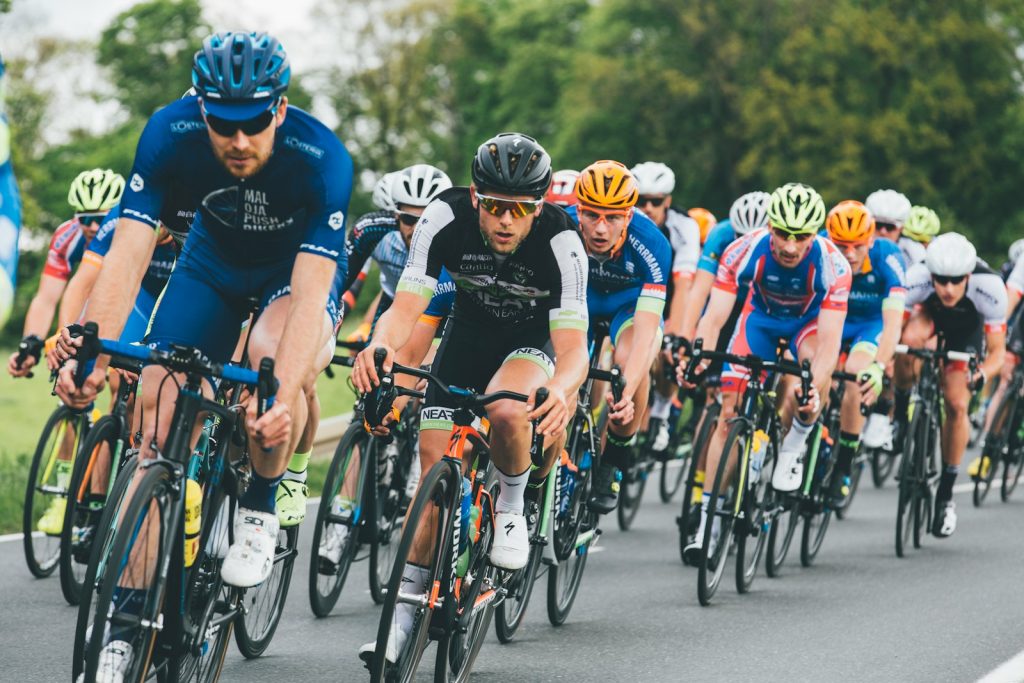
{"x": 839, "y": 491}
{"x": 604, "y": 495}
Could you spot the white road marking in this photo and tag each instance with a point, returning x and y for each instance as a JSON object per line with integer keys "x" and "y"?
{"x": 1010, "y": 671}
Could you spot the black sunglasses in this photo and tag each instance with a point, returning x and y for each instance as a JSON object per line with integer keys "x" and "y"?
{"x": 250, "y": 127}
{"x": 887, "y": 227}
{"x": 90, "y": 218}
{"x": 948, "y": 279}
{"x": 407, "y": 218}
{"x": 784, "y": 234}
{"x": 653, "y": 201}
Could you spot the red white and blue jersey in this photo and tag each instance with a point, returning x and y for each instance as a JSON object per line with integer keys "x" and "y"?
{"x": 821, "y": 280}
{"x": 66, "y": 248}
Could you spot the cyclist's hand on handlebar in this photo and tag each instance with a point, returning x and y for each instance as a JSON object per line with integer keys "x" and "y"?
{"x": 66, "y": 345}
{"x": 273, "y": 427}
{"x": 813, "y": 404}
{"x": 681, "y": 371}
{"x": 384, "y": 428}
{"x": 75, "y": 396}
{"x": 554, "y": 413}
{"x": 27, "y": 363}
{"x": 978, "y": 379}
{"x": 620, "y": 413}
{"x": 870, "y": 385}
{"x": 364, "y": 370}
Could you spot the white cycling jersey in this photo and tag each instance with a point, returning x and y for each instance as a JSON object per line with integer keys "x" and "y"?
{"x": 985, "y": 291}
{"x": 912, "y": 250}
{"x": 683, "y": 234}
{"x": 1016, "y": 279}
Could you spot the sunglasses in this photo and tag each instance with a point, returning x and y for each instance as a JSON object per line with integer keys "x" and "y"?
{"x": 407, "y": 218}
{"x": 518, "y": 207}
{"x": 90, "y": 218}
{"x": 609, "y": 215}
{"x": 249, "y": 127}
{"x": 784, "y": 234}
{"x": 653, "y": 201}
{"x": 948, "y": 279}
{"x": 886, "y": 227}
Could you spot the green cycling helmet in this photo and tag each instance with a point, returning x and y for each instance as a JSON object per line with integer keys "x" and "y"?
{"x": 97, "y": 190}
{"x": 922, "y": 225}
{"x": 797, "y": 209}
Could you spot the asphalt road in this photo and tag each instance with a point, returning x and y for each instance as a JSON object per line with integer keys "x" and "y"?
{"x": 950, "y": 612}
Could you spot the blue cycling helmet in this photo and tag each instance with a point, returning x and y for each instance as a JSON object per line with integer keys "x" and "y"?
{"x": 240, "y": 75}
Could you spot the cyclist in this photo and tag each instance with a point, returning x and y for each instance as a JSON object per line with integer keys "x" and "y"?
{"x": 748, "y": 213}
{"x": 520, "y": 272}
{"x": 92, "y": 194}
{"x": 1014, "y": 253}
{"x": 955, "y": 295}
{"x": 563, "y": 188}
{"x": 922, "y": 226}
{"x": 891, "y": 210}
{"x": 656, "y": 182}
{"x": 705, "y": 220}
{"x": 629, "y": 260}
{"x": 272, "y": 185}
{"x": 873, "y": 324}
{"x": 799, "y": 284}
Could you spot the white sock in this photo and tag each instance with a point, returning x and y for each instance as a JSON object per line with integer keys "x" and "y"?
{"x": 660, "y": 406}
{"x": 797, "y": 435}
{"x": 510, "y": 495}
{"x": 414, "y": 582}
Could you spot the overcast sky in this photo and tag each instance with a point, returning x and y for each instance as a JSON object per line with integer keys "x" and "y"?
{"x": 74, "y": 86}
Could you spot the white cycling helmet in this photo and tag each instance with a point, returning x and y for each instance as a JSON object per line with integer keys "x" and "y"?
{"x": 749, "y": 212}
{"x": 951, "y": 255}
{"x": 653, "y": 177}
{"x": 888, "y": 206}
{"x": 1016, "y": 250}
{"x": 382, "y": 192}
{"x": 417, "y": 185}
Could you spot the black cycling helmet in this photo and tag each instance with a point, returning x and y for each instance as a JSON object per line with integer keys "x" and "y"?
{"x": 512, "y": 163}
{"x": 240, "y": 75}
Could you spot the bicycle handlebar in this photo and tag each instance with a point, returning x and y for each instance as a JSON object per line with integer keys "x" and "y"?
{"x": 754, "y": 363}
{"x": 929, "y": 354}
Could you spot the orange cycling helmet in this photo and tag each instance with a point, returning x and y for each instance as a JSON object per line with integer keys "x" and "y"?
{"x": 607, "y": 185}
{"x": 705, "y": 220}
{"x": 850, "y": 222}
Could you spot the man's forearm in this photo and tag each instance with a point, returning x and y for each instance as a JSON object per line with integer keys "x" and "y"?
{"x": 571, "y": 369}
{"x": 299, "y": 345}
{"x": 698, "y": 296}
{"x": 642, "y": 353}
{"x": 681, "y": 287}
{"x": 892, "y": 325}
{"x": 38, "y": 318}
{"x": 996, "y": 355}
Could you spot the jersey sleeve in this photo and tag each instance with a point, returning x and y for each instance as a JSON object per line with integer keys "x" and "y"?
{"x": 686, "y": 252}
{"x": 359, "y": 246}
{"x": 1015, "y": 281}
{"x": 718, "y": 241}
{"x": 325, "y": 233}
{"x": 423, "y": 269}
{"x": 988, "y": 293}
{"x": 444, "y": 297}
{"x": 732, "y": 261}
{"x": 656, "y": 255}
{"x": 919, "y": 284}
{"x": 100, "y": 244}
{"x": 839, "y": 278}
{"x": 147, "y": 186}
{"x": 57, "y": 264}
{"x": 569, "y": 309}
{"x": 893, "y": 274}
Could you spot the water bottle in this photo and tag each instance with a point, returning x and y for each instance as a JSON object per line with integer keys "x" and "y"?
{"x": 586, "y": 460}
{"x": 758, "y": 449}
{"x": 467, "y": 504}
{"x": 193, "y": 519}
{"x": 567, "y": 484}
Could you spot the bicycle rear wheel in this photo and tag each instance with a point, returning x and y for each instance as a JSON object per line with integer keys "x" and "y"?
{"x": 511, "y": 611}
{"x": 440, "y": 491}
{"x": 672, "y": 477}
{"x": 689, "y": 517}
{"x": 47, "y": 488}
{"x": 752, "y": 532}
{"x": 780, "y": 535}
{"x": 384, "y": 527}
{"x": 143, "y": 538}
{"x": 326, "y": 579}
{"x": 80, "y": 516}
{"x": 634, "y": 481}
{"x": 264, "y": 604}
{"x": 1014, "y": 461}
{"x": 882, "y": 464}
{"x": 817, "y": 512}
{"x": 715, "y": 548}
{"x": 908, "y": 484}
{"x": 994, "y": 451}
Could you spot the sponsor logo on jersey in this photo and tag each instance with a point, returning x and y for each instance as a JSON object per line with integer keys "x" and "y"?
{"x": 311, "y": 150}
{"x": 187, "y": 126}
{"x": 336, "y": 220}
{"x": 893, "y": 261}
{"x": 137, "y": 183}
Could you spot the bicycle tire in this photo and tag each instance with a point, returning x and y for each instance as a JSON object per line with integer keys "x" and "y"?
{"x": 818, "y": 514}
{"x": 882, "y": 465}
{"x": 324, "y": 592}
{"x": 707, "y": 583}
{"x": 100, "y": 551}
{"x": 155, "y": 491}
{"x": 684, "y": 521}
{"x": 253, "y": 635}
{"x": 511, "y": 611}
{"x": 780, "y": 536}
{"x": 107, "y": 430}
{"x": 1014, "y": 463}
{"x": 42, "y": 552}
{"x": 668, "y": 481}
{"x": 441, "y": 485}
{"x": 387, "y": 525}
{"x": 996, "y": 445}
{"x": 757, "y": 503}
{"x": 634, "y": 482}
{"x": 907, "y": 486}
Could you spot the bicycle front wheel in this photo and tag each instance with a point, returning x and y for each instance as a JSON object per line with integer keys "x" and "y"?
{"x": 752, "y": 534}
{"x": 715, "y": 546}
{"x": 689, "y": 517}
{"x": 634, "y": 481}
{"x": 1013, "y": 459}
{"x": 264, "y": 604}
{"x": 780, "y": 535}
{"x": 995, "y": 446}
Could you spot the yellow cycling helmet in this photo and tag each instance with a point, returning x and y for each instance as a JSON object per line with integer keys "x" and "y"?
{"x": 850, "y": 222}
{"x": 922, "y": 225}
{"x": 607, "y": 185}
{"x": 705, "y": 221}
{"x": 797, "y": 209}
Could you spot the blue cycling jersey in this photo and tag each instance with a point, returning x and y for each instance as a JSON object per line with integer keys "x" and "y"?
{"x": 376, "y": 235}
{"x": 881, "y": 283}
{"x": 296, "y": 202}
{"x": 160, "y": 265}
{"x": 719, "y": 239}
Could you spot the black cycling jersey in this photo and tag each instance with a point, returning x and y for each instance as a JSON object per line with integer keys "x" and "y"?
{"x": 963, "y": 325}
{"x": 545, "y": 275}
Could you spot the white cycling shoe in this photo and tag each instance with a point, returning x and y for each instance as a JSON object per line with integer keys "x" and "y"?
{"x": 251, "y": 557}
{"x": 789, "y": 470}
{"x": 511, "y": 548}
{"x": 333, "y": 543}
{"x": 877, "y": 432}
{"x": 396, "y": 642}
{"x": 661, "y": 439}
{"x": 115, "y": 658}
